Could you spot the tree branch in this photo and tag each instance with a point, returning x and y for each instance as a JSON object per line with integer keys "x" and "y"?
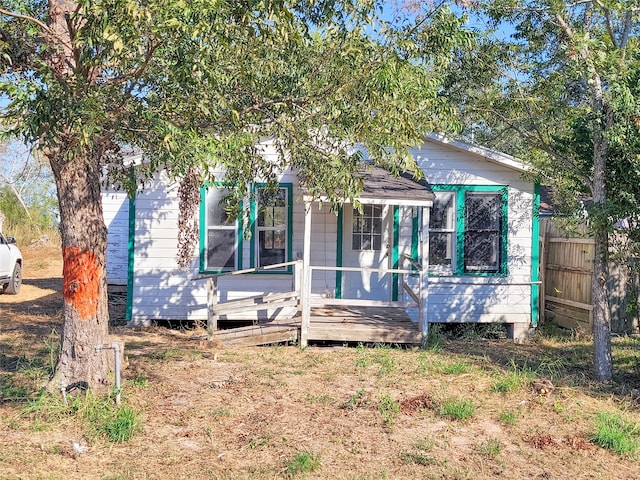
{"x": 538, "y": 142}
{"x": 35, "y": 21}
{"x": 609, "y": 23}
{"x": 45, "y": 28}
{"x": 626, "y": 31}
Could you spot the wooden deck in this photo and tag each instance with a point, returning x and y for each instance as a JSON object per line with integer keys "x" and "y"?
{"x": 363, "y": 324}
{"x": 333, "y": 324}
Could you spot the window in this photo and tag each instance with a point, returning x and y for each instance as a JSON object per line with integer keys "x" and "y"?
{"x": 272, "y": 225}
{"x": 367, "y": 228}
{"x": 221, "y": 243}
{"x": 482, "y": 231}
{"x": 467, "y": 230}
{"x": 442, "y": 228}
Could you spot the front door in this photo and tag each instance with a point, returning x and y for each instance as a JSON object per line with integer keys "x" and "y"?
{"x": 366, "y": 244}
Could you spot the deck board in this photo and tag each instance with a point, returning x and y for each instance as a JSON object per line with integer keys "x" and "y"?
{"x": 363, "y": 324}
{"x": 335, "y": 323}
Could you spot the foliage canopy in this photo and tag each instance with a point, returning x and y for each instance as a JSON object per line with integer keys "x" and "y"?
{"x": 561, "y": 89}
{"x": 197, "y": 85}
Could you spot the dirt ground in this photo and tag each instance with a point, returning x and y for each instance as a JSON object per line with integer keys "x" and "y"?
{"x": 208, "y": 412}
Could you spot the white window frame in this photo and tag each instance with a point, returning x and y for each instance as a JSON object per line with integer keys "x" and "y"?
{"x": 215, "y": 193}
{"x": 368, "y": 213}
{"x": 286, "y": 190}
{"x": 450, "y": 228}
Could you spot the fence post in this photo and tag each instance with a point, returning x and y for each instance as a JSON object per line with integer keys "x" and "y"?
{"x": 212, "y": 300}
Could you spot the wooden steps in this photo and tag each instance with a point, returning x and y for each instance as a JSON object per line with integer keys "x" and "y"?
{"x": 336, "y": 324}
{"x": 261, "y": 334}
{"x": 352, "y": 332}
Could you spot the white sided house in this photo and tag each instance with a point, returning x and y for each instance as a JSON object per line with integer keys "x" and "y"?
{"x": 460, "y": 247}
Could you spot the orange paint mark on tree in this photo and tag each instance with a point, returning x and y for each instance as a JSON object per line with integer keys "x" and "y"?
{"x": 81, "y": 280}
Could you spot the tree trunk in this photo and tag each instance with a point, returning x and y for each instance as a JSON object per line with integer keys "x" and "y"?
{"x": 602, "y": 359}
{"x": 76, "y": 171}
{"x": 84, "y": 242}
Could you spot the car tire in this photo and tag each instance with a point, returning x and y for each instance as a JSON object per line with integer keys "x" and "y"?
{"x": 13, "y": 287}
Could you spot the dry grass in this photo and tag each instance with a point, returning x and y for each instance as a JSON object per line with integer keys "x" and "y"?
{"x": 351, "y": 413}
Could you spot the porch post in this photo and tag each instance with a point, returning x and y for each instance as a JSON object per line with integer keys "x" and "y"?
{"x": 306, "y": 277}
{"x": 212, "y": 301}
{"x": 424, "y": 277}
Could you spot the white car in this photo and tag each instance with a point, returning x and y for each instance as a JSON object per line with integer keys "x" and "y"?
{"x": 10, "y": 265}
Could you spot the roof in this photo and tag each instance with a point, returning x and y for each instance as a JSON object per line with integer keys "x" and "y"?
{"x": 382, "y": 187}
{"x": 480, "y": 151}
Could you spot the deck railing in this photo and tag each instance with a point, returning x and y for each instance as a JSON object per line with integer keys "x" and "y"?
{"x": 416, "y": 297}
{"x": 217, "y": 309}
{"x": 300, "y": 295}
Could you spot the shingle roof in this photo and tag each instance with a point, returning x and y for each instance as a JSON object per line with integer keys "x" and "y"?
{"x": 383, "y": 185}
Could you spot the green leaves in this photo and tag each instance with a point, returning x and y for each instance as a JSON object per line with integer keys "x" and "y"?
{"x": 197, "y": 84}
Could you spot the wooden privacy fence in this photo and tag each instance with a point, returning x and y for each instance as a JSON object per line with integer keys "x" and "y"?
{"x": 567, "y": 271}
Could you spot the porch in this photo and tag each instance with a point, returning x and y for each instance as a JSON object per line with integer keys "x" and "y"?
{"x": 377, "y": 276}
{"x": 326, "y": 320}
{"x": 363, "y": 324}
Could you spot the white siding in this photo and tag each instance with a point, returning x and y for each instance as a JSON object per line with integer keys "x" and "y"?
{"x": 324, "y": 242}
{"x": 483, "y": 299}
{"x": 161, "y": 291}
{"x": 115, "y": 206}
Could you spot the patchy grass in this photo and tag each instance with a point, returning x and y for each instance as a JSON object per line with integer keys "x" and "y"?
{"x": 420, "y": 453}
{"x": 517, "y": 378}
{"x": 274, "y": 412}
{"x": 464, "y": 407}
{"x": 456, "y": 368}
{"x": 99, "y": 416}
{"x": 507, "y": 418}
{"x": 219, "y": 412}
{"x": 616, "y": 433}
{"x": 457, "y": 408}
{"x": 302, "y": 462}
{"x": 489, "y": 448}
{"x": 389, "y": 409}
{"x": 358, "y": 399}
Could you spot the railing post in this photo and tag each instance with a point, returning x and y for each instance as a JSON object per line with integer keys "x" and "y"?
{"x": 212, "y": 301}
{"x": 306, "y": 278}
{"x": 424, "y": 272}
{"x": 424, "y": 325}
{"x": 297, "y": 284}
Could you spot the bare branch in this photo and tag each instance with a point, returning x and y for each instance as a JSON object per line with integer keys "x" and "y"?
{"x": 609, "y": 23}
{"x": 576, "y": 4}
{"x": 626, "y": 31}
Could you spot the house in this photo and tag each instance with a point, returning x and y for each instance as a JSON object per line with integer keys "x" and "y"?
{"x": 462, "y": 247}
